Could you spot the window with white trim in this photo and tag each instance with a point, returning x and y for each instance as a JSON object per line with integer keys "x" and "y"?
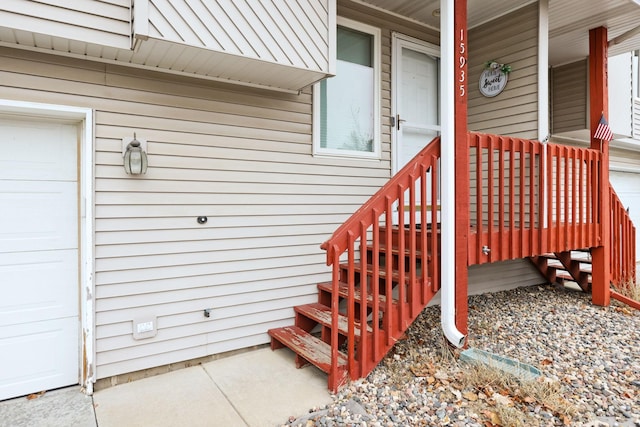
{"x": 346, "y": 116}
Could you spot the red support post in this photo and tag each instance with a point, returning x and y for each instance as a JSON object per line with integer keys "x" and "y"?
{"x": 461, "y": 166}
{"x": 598, "y": 105}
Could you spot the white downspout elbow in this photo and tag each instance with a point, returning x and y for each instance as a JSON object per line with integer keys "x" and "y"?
{"x": 448, "y": 208}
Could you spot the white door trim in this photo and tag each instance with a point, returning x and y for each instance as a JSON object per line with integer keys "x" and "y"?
{"x": 84, "y": 117}
{"x": 398, "y": 41}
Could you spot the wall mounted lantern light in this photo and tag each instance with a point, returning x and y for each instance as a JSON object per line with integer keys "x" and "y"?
{"x": 135, "y": 155}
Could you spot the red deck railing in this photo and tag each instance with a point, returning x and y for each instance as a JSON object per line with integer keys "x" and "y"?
{"x": 528, "y": 198}
{"x": 412, "y": 194}
{"x": 623, "y": 252}
{"x": 623, "y": 244}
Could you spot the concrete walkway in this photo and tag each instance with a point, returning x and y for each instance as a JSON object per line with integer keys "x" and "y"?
{"x": 261, "y": 388}
{"x": 56, "y": 408}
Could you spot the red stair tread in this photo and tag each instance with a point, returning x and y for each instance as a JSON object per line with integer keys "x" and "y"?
{"x": 343, "y": 291}
{"x": 395, "y": 275}
{"x": 394, "y": 250}
{"x": 562, "y": 274}
{"x": 322, "y": 314}
{"x": 583, "y": 258}
{"x": 309, "y": 347}
{"x": 560, "y": 267}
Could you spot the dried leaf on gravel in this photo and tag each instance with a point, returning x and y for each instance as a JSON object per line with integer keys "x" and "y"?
{"x": 502, "y": 400}
{"x": 419, "y": 371}
{"x": 442, "y": 376}
{"x": 624, "y": 310}
{"x": 423, "y": 370}
{"x": 470, "y": 396}
{"x": 494, "y": 419}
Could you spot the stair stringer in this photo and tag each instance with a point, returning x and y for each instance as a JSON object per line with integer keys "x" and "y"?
{"x": 565, "y": 261}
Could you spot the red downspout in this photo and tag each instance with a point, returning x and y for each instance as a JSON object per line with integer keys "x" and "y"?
{"x": 598, "y": 105}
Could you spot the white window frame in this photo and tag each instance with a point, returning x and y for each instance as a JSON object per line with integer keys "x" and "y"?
{"x": 635, "y": 75}
{"x": 377, "y": 65}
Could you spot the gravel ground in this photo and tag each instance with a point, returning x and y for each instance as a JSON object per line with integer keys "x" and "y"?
{"x": 589, "y": 357}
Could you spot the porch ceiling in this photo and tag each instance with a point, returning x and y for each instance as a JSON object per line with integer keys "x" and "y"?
{"x": 569, "y": 21}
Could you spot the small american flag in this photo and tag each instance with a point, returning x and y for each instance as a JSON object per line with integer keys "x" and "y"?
{"x": 603, "y": 131}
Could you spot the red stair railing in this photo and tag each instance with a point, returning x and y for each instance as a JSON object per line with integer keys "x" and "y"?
{"x": 413, "y": 191}
{"x": 528, "y": 198}
{"x": 623, "y": 244}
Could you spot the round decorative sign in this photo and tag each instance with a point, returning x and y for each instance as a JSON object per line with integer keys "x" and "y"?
{"x": 493, "y": 80}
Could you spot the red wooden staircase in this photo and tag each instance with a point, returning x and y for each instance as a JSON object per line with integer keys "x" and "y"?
{"x": 567, "y": 266}
{"x": 361, "y": 296}
{"x": 544, "y": 205}
{"x": 383, "y": 276}
{"x": 576, "y": 265}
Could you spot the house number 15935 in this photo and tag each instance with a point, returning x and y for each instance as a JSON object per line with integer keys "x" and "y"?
{"x": 462, "y": 79}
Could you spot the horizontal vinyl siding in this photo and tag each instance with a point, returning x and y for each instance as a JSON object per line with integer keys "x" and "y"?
{"x": 569, "y": 97}
{"x": 500, "y": 276}
{"x": 504, "y": 275}
{"x": 241, "y": 157}
{"x": 104, "y": 22}
{"x": 510, "y": 40}
{"x": 625, "y": 160}
{"x": 636, "y": 118}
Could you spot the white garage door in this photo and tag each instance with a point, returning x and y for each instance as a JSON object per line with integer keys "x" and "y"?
{"x": 627, "y": 186}
{"x": 39, "y": 302}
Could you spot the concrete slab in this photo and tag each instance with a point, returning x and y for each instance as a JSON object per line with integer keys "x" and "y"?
{"x": 183, "y": 397}
{"x": 266, "y": 388}
{"x": 62, "y": 407}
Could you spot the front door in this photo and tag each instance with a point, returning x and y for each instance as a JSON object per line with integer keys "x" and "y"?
{"x": 39, "y": 267}
{"x": 415, "y": 99}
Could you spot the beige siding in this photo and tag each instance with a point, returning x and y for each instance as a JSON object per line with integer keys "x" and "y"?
{"x": 626, "y": 160}
{"x": 511, "y": 40}
{"x": 500, "y": 276}
{"x": 636, "y": 118}
{"x": 504, "y": 275}
{"x": 279, "y": 45}
{"x": 104, "y": 22}
{"x": 241, "y": 157}
{"x": 295, "y": 33}
{"x": 514, "y": 112}
{"x": 569, "y": 97}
